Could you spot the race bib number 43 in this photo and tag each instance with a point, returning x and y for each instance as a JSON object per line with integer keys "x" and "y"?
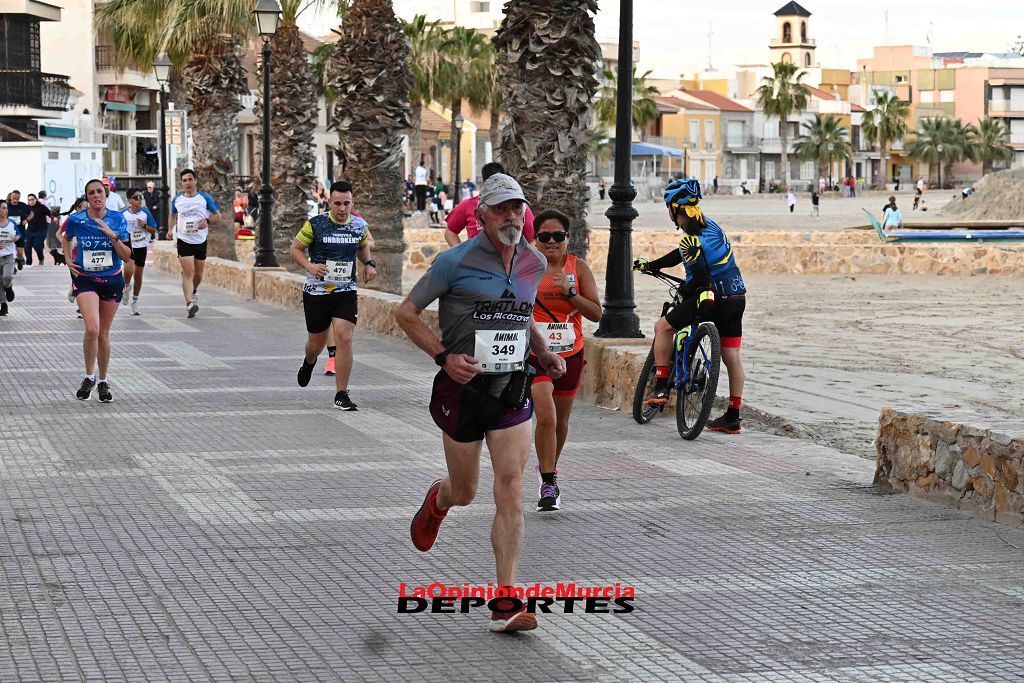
{"x": 339, "y": 271}
{"x": 559, "y": 337}
{"x": 500, "y": 350}
{"x": 98, "y": 260}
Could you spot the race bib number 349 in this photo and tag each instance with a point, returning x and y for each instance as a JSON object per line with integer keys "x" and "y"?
{"x": 500, "y": 350}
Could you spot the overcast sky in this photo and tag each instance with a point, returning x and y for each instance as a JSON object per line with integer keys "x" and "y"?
{"x": 673, "y": 34}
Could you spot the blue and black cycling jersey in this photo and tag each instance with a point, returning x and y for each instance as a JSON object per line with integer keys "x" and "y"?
{"x": 708, "y": 260}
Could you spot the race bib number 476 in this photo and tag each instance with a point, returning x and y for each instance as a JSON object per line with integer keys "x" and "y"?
{"x": 500, "y": 350}
{"x": 338, "y": 271}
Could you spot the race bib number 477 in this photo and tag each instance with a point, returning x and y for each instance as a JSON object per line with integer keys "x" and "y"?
{"x": 98, "y": 260}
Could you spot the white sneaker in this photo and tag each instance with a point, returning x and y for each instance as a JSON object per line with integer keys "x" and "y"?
{"x": 71, "y": 296}
{"x": 191, "y": 308}
{"x": 125, "y": 294}
{"x": 135, "y": 306}
{"x": 195, "y": 298}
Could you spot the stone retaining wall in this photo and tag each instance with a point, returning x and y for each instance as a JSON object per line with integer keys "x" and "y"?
{"x": 845, "y": 252}
{"x": 975, "y": 468}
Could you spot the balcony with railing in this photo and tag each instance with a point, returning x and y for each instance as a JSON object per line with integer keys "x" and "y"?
{"x": 109, "y": 72}
{"x": 740, "y": 142}
{"x": 1006, "y": 108}
{"x": 33, "y": 90}
{"x": 776, "y": 42}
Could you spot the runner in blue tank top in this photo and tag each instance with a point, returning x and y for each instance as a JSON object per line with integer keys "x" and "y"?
{"x": 97, "y": 280}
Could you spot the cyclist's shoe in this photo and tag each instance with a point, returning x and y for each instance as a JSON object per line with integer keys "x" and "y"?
{"x": 343, "y": 402}
{"x": 305, "y": 372}
{"x": 427, "y": 522}
{"x": 659, "y": 398}
{"x": 509, "y": 622}
{"x": 329, "y": 370}
{"x": 725, "y": 424}
{"x": 550, "y": 498}
{"x": 87, "y": 386}
{"x": 103, "y": 391}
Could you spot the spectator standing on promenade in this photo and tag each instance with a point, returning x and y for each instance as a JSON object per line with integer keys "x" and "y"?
{"x": 420, "y": 176}
{"x": 814, "y": 203}
{"x": 602, "y": 187}
{"x": 791, "y": 200}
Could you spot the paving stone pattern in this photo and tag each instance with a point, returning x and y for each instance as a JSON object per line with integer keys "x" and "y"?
{"x": 217, "y": 522}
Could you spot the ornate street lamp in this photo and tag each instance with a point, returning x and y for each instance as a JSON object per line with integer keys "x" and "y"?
{"x": 268, "y": 15}
{"x": 619, "y": 318}
{"x": 162, "y": 69}
{"x": 457, "y": 152}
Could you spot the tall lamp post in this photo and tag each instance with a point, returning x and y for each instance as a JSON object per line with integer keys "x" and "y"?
{"x": 619, "y": 318}
{"x": 268, "y": 15}
{"x": 457, "y": 153}
{"x": 162, "y": 68}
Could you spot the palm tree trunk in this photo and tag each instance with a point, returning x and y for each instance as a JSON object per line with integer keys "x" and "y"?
{"x": 883, "y": 172}
{"x": 456, "y": 151}
{"x": 546, "y": 140}
{"x": 416, "y": 141}
{"x": 293, "y": 123}
{"x": 495, "y": 132}
{"x": 373, "y": 79}
{"x": 940, "y": 175}
{"x": 217, "y": 79}
{"x": 784, "y": 155}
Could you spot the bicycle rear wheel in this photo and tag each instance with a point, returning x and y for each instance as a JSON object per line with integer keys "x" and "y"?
{"x": 644, "y": 390}
{"x": 693, "y": 405}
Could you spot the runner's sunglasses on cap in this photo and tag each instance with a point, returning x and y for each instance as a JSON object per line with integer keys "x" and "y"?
{"x": 545, "y": 237}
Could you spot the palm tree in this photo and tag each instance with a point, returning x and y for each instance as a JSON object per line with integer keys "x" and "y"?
{"x": 993, "y": 139}
{"x": 929, "y": 145}
{"x": 824, "y": 140}
{"x": 645, "y": 109}
{"x": 373, "y": 81}
{"x": 885, "y": 123}
{"x": 464, "y": 74}
{"x": 547, "y": 61}
{"x": 960, "y": 145}
{"x": 781, "y": 95}
{"x": 203, "y": 39}
{"x": 295, "y": 106}
{"x": 425, "y": 41}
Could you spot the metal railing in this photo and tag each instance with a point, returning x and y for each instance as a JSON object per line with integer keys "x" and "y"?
{"x": 105, "y": 58}
{"x": 740, "y": 141}
{"x": 28, "y": 88}
{"x": 794, "y": 41}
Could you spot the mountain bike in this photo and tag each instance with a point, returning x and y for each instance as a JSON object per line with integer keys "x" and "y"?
{"x": 693, "y": 372}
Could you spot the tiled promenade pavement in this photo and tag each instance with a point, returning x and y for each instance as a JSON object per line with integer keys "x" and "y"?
{"x": 216, "y": 522}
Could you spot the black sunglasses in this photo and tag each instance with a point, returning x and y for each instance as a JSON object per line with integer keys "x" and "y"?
{"x": 138, "y": 196}
{"x": 545, "y": 237}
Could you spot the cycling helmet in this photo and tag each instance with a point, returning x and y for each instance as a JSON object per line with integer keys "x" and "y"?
{"x": 682, "y": 192}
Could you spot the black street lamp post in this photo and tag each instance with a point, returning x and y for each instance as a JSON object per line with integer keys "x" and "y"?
{"x": 162, "y": 68}
{"x": 619, "y": 318}
{"x": 457, "y": 153}
{"x": 268, "y": 14}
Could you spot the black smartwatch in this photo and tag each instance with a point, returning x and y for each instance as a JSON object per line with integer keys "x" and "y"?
{"x": 371, "y": 262}
{"x": 573, "y": 292}
{"x": 441, "y": 358}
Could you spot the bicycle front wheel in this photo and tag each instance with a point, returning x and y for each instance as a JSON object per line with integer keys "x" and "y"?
{"x": 644, "y": 390}
{"x": 697, "y": 394}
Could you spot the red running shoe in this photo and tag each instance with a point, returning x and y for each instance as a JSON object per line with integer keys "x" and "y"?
{"x": 329, "y": 370}
{"x": 510, "y": 622}
{"x": 427, "y": 521}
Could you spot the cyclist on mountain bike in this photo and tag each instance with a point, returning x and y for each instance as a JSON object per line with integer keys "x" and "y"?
{"x": 713, "y": 287}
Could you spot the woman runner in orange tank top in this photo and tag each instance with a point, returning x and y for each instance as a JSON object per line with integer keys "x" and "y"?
{"x": 567, "y": 294}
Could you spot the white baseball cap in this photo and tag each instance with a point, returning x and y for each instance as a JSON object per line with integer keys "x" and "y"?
{"x": 500, "y": 188}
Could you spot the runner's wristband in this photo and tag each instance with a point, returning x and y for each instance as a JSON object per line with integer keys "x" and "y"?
{"x": 441, "y": 358}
